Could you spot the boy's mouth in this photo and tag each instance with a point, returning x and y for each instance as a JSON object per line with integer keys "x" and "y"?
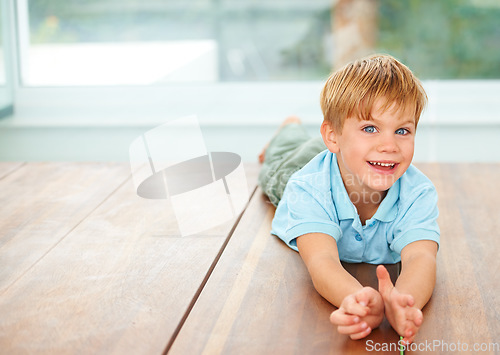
{"x": 384, "y": 166}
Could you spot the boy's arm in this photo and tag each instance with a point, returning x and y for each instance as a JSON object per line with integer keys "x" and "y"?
{"x": 360, "y": 309}
{"x": 418, "y": 271}
{"x": 403, "y": 302}
{"x": 320, "y": 254}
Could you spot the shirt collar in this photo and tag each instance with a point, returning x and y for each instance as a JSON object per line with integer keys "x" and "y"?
{"x": 388, "y": 209}
{"x": 386, "y": 212}
{"x": 343, "y": 204}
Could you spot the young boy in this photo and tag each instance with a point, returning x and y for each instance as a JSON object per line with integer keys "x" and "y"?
{"x": 359, "y": 200}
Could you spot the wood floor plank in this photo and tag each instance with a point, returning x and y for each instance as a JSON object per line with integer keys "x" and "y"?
{"x": 260, "y": 300}
{"x": 41, "y": 202}
{"x": 8, "y": 167}
{"x": 120, "y": 282}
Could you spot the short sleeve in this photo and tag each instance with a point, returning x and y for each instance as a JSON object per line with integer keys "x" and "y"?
{"x": 308, "y": 210}
{"x": 417, "y": 219}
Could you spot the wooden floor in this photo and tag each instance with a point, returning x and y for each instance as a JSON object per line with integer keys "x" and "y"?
{"x": 88, "y": 267}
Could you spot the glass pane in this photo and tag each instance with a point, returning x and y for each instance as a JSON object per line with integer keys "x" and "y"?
{"x": 143, "y": 42}
{"x": 109, "y": 42}
{"x": 115, "y": 42}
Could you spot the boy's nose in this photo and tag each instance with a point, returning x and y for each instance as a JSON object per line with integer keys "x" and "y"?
{"x": 387, "y": 143}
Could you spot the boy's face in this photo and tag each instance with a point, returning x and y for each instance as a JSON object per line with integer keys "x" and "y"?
{"x": 372, "y": 155}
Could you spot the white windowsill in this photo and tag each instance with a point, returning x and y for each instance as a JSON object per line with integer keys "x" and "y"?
{"x": 453, "y": 102}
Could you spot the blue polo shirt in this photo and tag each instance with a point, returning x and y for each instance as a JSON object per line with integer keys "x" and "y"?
{"x": 316, "y": 201}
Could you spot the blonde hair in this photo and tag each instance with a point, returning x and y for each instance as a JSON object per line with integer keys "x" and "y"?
{"x": 353, "y": 89}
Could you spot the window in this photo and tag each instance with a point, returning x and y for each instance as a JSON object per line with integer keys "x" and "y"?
{"x": 151, "y": 42}
{"x": 116, "y": 42}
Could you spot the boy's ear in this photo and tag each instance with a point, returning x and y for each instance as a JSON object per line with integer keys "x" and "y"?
{"x": 329, "y": 137}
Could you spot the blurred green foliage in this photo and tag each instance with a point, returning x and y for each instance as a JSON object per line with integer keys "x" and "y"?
{"x": 443, "y": 39}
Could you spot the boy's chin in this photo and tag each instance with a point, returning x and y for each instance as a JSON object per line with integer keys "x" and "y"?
{"x": 382, "y": 186}
{"x": 379, "y": 188}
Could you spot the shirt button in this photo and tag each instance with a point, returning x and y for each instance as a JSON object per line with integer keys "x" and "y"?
{"x": 358, "y": 237}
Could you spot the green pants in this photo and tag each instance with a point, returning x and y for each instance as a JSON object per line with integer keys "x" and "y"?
{"x": 288, "y": 151}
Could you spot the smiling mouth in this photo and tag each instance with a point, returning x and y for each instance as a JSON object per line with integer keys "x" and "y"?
{"x": 384, "y": 166}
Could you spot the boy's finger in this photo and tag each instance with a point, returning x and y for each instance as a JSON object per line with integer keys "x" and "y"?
{"x": 416, "y": 316}
{"x": 354, "y": 329}
{"x": 363, "y": 298}
{"x": 340, "y": 318}
{"x": 384, "y": 279}
{"x": 407, "y": 341}
{"x": 361, "y": 334}
{"x": 405, "y": 300}
{"x": 353, "y": 307}
{"x": 409, "y": 337}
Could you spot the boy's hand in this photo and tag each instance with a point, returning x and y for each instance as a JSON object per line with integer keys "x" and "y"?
{"x": 400, "y": 311}
{"x": 359, "y": 313}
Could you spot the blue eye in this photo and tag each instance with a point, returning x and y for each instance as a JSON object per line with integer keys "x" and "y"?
{"x": 370, "y": 129}
{"x": 402, "y": 131}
